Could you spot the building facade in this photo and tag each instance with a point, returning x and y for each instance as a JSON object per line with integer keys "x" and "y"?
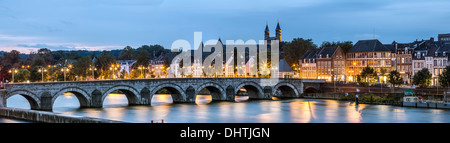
{"x": 331, "y": 64}
{"x": 368, "y": 53}
{"x": 308, "y": 65}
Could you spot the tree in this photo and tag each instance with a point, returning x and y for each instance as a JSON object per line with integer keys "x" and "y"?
{"x": 166, "y": 64}
{"x": 143, "y": 58}
{"x": 103, "y": 64}
{"x": 46, "y": 54}
{"x": 153, "y": 50}
{"x": 12, "y": 58}
{"x": 422, "y": 78}
{"x": 82, "y": 66}
{"x": 394, "y": 78}
{"x": 296, "y": 48}
{"x": 128, "y": 53}
{"x": 22, "y": 75}
{"x": 367, "y": 77}
{"x": 38, "y": 62}
{"x": 345, "y": 45}
{"x": 444, "y": 78}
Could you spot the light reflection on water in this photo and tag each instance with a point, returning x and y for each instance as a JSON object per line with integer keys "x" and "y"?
{"x": 242, "y": 111}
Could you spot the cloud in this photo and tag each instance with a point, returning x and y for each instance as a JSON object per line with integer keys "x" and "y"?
{"x": 68, "y": 46}
{"x": 51, "y": 47}
{"x": 4, "y": 37}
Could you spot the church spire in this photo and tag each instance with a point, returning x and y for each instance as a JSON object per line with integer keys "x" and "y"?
{"x": 278, "y": 25}
{"x": 278, "y": 31}
{"x": 266, "y": 32}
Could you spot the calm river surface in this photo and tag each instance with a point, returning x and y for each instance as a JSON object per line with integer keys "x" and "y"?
{"x": 242, "y": 111}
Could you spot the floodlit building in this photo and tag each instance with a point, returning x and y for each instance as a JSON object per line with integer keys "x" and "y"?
{"x": 308, "y": 65}
{"x": 368, "y": 53}
{"x": 331, "y": 64}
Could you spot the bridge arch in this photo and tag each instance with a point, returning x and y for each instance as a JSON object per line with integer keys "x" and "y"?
{"x": 131, "y": 93}
{"x": 82, "y": 96}
{"x": 285, "y": 89}
{"x": 33, "y": 99}
{"x": 254, "y": 90}
{"x": 177, "y": 93}
{"x": 310, "y": 89}
{"x": 217, "y": 92}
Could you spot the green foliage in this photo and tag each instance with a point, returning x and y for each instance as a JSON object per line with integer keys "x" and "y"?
{"x": 422, "y": 78}
{"x": 345, "y": 45}
{"x": 22, "y": 75}
{"x": 394, "y": 78}
{"x": 166, "y": 64}
{"x": 295, "y": 49}
{"x": 38, "y": 62}
{"x": 103, "y": 64}
{"x": 142, "y": 59}
{"x": 153, "y": 50}
{"x": 367, "y": 77}
{"x": 128, "y": 53}
{"x": 444, "y": 78}
{"x": 81, "y": 67}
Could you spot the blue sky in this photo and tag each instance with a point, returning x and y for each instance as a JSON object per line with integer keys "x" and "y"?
{"x": 27, "y": 25}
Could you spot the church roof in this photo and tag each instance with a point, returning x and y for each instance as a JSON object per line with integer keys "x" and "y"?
{"x": 267, "y": 28}
{"x": 283, "y": 66}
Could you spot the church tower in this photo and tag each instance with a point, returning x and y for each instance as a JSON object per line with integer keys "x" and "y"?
{"x": 278, "y": 31}
{"x": 266, "y": 32}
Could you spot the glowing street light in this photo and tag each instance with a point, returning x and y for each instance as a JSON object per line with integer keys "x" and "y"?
{"x": 13, "y": 71}
{"x": 92, "y": 69}
{"x": 42, "y": 70}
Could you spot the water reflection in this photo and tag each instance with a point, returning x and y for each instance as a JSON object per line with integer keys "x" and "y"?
{"x": 241, "y": 111}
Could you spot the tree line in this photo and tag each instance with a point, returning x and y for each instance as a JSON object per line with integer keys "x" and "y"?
{"x": 47, "y": 65}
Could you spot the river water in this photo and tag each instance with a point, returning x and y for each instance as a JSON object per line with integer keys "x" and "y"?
{"x": 242, "y": 111}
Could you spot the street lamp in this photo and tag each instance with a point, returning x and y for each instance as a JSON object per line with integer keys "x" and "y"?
{"x": 64, "y": 70}
{"x": 13, "y": 71}
{"x": 114, "y": 67}
{"x": 42, "y": 70}
{"x": 142, "y": 70}
{"x": 92, "y": 69}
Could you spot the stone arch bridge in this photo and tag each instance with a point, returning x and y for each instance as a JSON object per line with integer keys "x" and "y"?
{"x": 91, "y": 94}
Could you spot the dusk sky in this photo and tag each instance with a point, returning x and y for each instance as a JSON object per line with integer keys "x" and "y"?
{"x": 27, "y": 25}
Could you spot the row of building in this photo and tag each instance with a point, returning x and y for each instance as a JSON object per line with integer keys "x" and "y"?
{"x": 333, "y": 64}
{"x": 229, "y": 69}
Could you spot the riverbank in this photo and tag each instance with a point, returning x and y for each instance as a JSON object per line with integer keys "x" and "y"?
{"x": 48, "y": 117}
{"x": 394, "y": 99}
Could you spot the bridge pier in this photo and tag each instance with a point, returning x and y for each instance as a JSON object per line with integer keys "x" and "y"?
{"x": 189, "y": 96}
{"x": 145, "y": 96}
{"x": 96, "y": 99}
{"x": 230, "y": 93}
{"x": 268, "y": 92}
{"x": 46, "y": 102}
{"x": 2, "y": 98}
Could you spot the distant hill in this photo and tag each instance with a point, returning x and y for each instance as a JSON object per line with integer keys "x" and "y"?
{"x": 23, "y": 56}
